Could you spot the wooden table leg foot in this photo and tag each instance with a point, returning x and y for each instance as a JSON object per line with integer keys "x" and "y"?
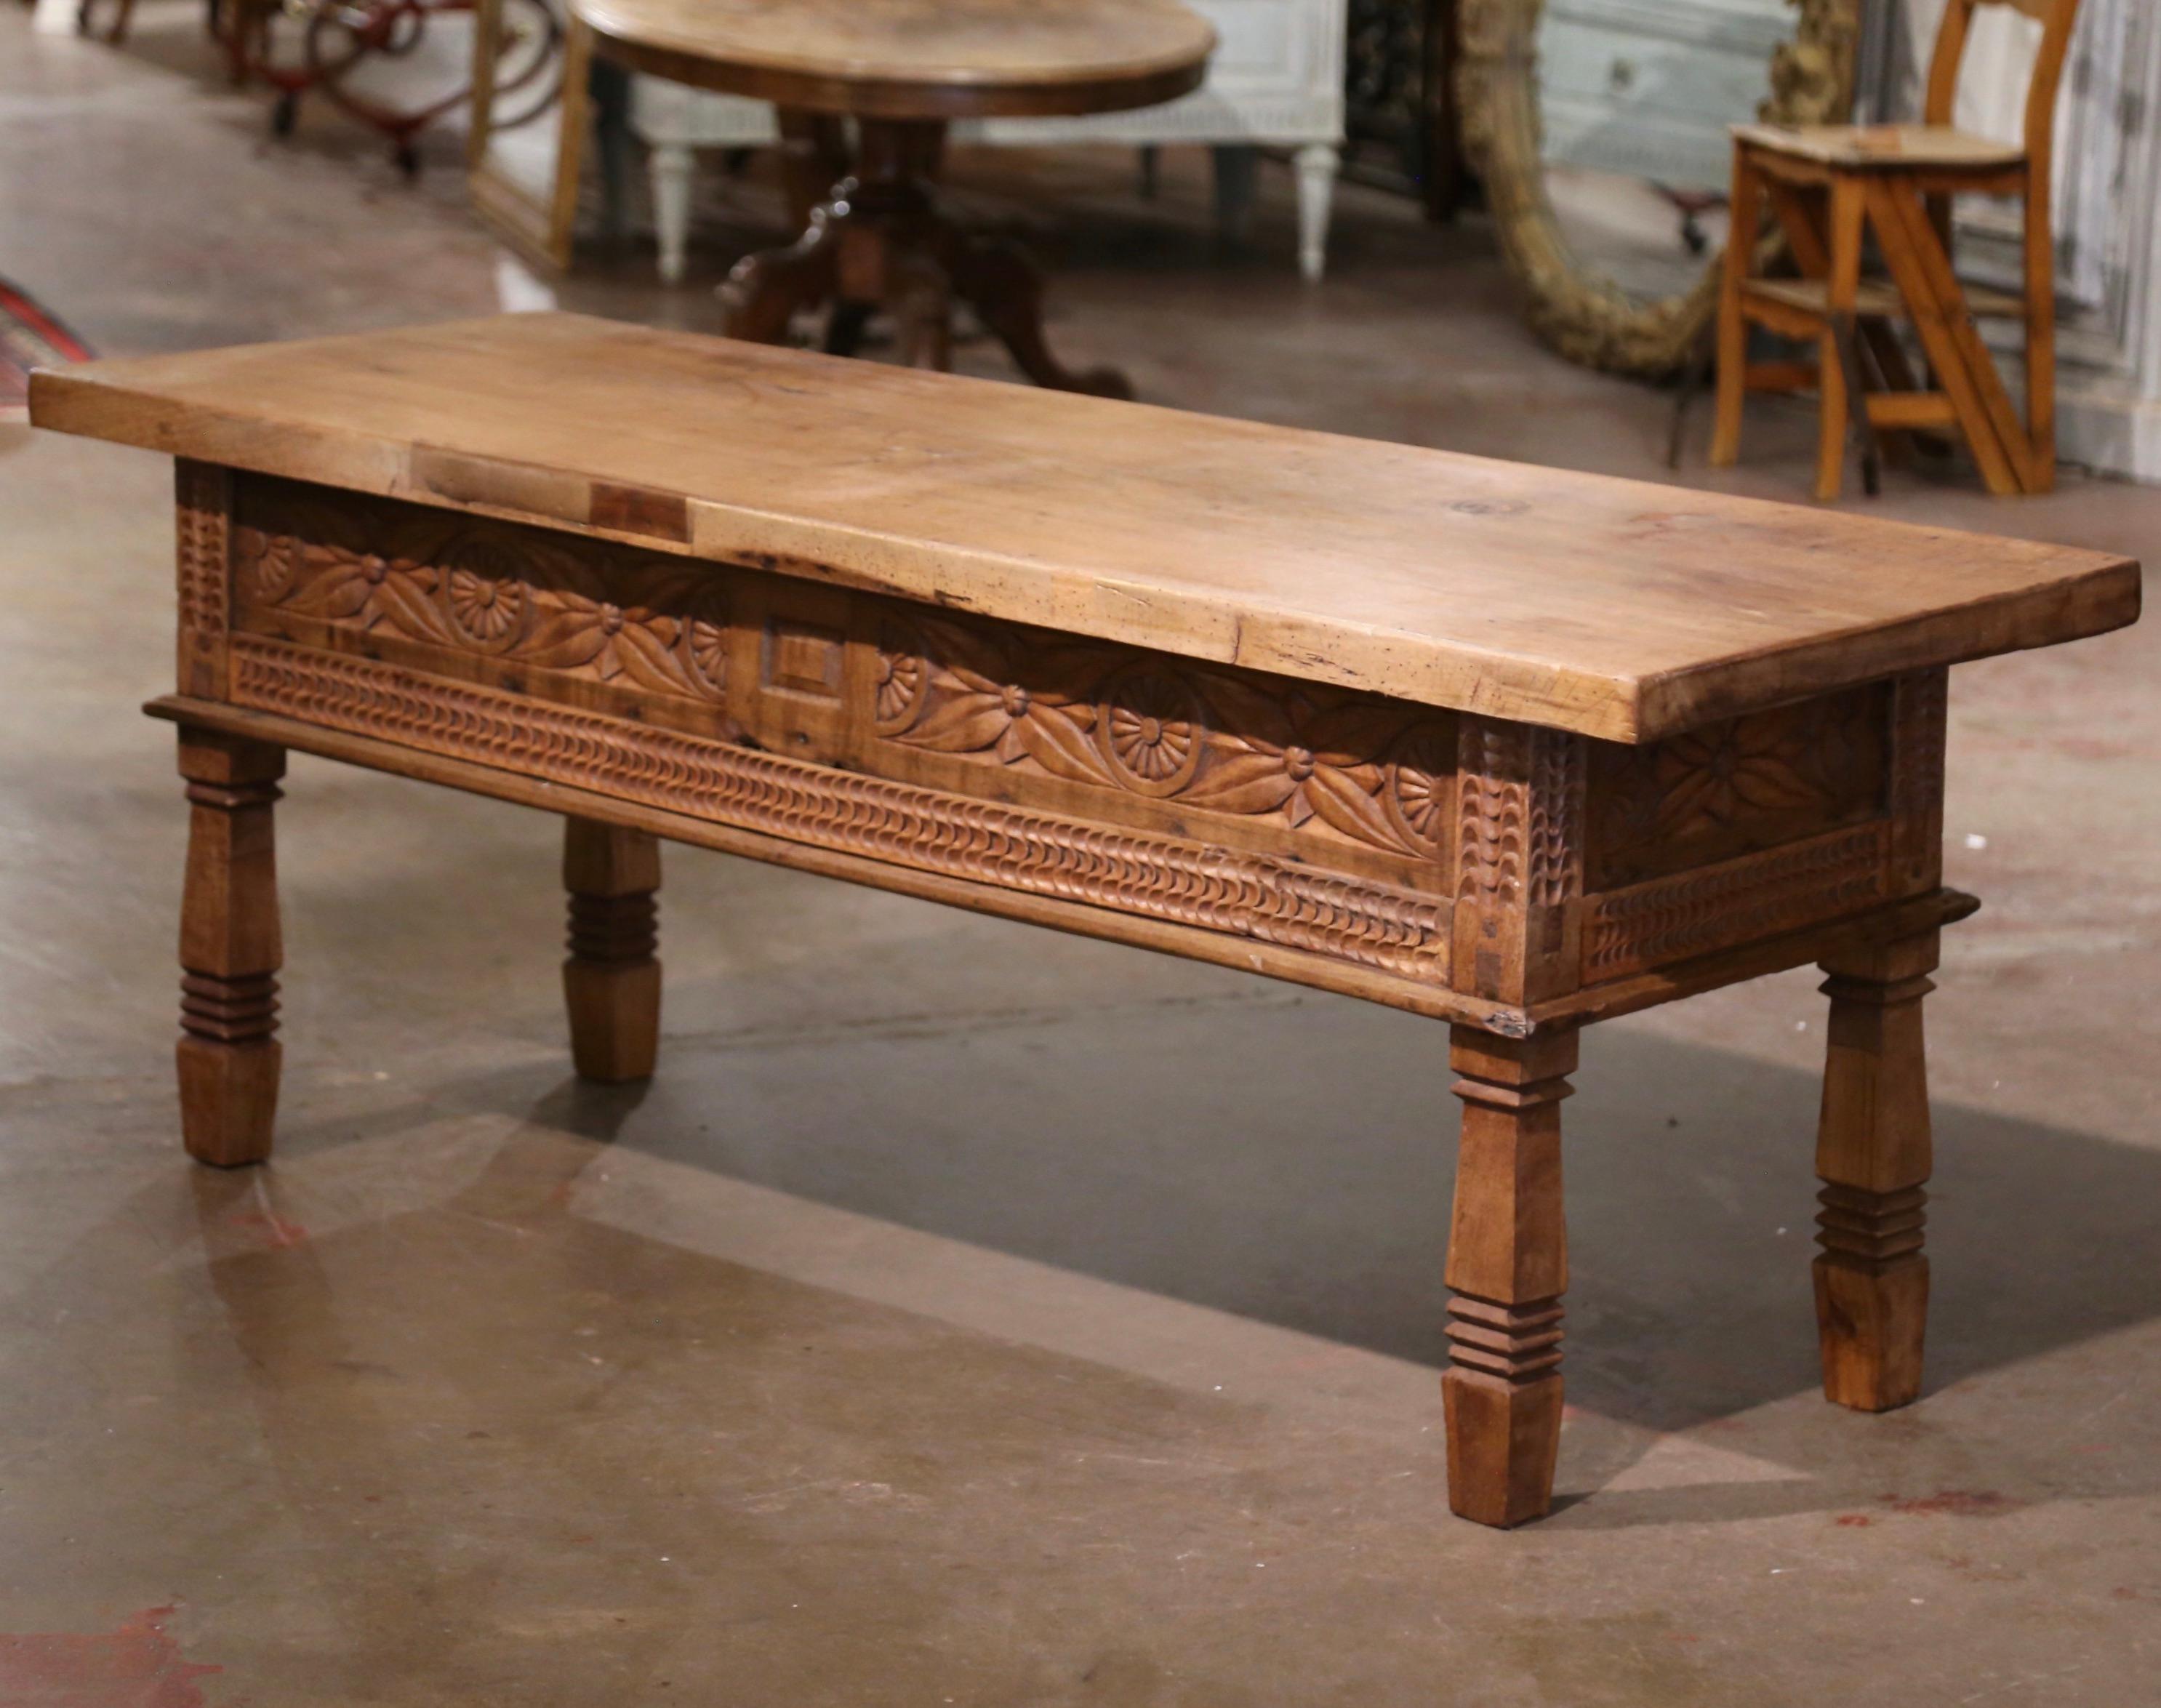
{"x": 920, "y": 302}
{"x": 1873, "y": 1155}
{"x": 228, "y": 1056}
{"x": 1507, "y": 1267}
{"x": 1503, "y": 1438}
{"x": 766, "y": 291}
{"x": 845, "y": 326}
{"x": 1003, "y": 286}
{"x": 611, "y": 981}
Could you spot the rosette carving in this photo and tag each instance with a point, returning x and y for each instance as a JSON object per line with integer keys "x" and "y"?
{"x": 1421, "y": 786}
{"x": 1150, "y": 727}
{"x": 1749, "y": 783}
{"x": 903, "y": 678}
{"x": 487, "y": 604}
{"x": 706, "y": 640}
{"x": 1369, "y": 771}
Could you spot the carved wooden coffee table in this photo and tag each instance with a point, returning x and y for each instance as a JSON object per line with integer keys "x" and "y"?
{"x": 1514, "y": 748}
{"x": 902, "y": 69}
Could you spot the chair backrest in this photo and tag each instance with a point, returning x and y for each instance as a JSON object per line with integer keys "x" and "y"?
{"x": 2055, "y": 18}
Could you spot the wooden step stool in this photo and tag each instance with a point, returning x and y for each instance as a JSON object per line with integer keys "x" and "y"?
{"x": 1831, "y": 186}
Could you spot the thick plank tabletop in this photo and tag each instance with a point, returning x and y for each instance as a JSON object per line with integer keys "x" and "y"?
{"x": 907, "y": 59}
{"x": 1617, "y": 608}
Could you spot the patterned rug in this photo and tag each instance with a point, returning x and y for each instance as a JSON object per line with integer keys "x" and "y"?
{"x": 29, "y": 337}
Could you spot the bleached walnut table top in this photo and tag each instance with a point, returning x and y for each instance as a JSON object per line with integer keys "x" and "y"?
{"x": 1609, "y": 608}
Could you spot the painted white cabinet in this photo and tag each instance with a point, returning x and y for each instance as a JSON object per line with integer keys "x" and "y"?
{"x": 1276, "y": 80}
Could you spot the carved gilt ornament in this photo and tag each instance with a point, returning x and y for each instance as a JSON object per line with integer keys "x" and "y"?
{"x": 1585, "y": 315}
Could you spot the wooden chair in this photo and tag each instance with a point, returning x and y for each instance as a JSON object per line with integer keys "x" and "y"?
{"x": 1828, "y": 186}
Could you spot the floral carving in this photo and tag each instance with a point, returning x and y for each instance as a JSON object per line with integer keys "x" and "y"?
{"x": 1365, "y": 772}
{"x": 968, "y": 704}
{"x": 1746, "y": 782}
{"x": 1206, "y": 738}
{"x": 481, "y": 591}
{"x": 1716, "y": 774}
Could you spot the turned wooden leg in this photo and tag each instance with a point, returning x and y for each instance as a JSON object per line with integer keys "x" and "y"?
{"x": 611, "y": 981}
{"x": 814, "y": 158}
{"x": 1508, "y": 1267}
{"x": 999, "y": 281}
{"x": 1872, "y": 1153}
{"x": 229, "y": 952}
{"x": 922, "y": 309}
{"x": 846, "y": 324}
{"x": 1746, "y": 214}
{"x": 764, "y": 291}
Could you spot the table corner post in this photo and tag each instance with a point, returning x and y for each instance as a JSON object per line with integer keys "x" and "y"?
{"x": 1508, "y": 1269}
{"x": 228, "y": 1056}
{"x": 203, "y": 539}
{"x": 611, "y": 979}
{"x": 1873, "y": 1154}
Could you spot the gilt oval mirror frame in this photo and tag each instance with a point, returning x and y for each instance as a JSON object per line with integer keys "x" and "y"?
{"x": 1584, "y": 316}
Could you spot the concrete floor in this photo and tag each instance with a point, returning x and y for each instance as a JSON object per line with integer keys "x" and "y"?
{"x": 969, "y": 1315}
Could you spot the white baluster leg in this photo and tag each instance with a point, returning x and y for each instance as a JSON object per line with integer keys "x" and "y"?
{"x": 1317, "y": 164}
{"x": 672, "y": 166}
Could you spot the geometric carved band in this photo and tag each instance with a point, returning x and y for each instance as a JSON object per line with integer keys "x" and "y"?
{"x": 1866, "y": 1229}
{"x": 205, "y": 532}
{"x": 229, "y": 1010}
{"x": 618, "y": 929}
{"x": 1246, "y": 895}
{"x": 1693, "y": 913}
{"x": 1518, "y": 1343}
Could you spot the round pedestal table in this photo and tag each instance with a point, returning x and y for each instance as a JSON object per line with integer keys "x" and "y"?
{"x": 902, "y": 69}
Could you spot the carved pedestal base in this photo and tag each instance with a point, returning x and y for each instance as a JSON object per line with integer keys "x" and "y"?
{"x": 1873, "y": 1154}
{"x": 1507, "y": 1266}
{"x": 879, "y": 244}
{"x": 611, "y": 981}
{"x": 228, "y": 1056}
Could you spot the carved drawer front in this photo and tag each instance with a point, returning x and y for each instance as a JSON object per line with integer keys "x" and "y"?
{"x": 1761, "y": 825}
{"x": 1505, "y": 862}
{"x": 1255, "y": 803}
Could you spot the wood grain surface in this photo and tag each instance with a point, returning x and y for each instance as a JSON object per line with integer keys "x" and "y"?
{"x": 915, "y": 58}
{"x": 1886, "y": 145}
{"x": 1613, "y": 608}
